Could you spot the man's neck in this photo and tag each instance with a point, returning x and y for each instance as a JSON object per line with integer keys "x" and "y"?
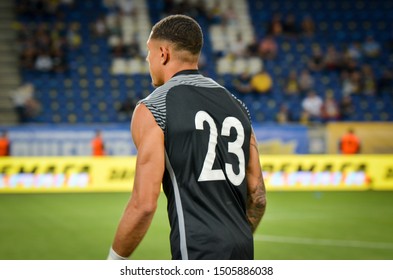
{"x": 175, "y": 68}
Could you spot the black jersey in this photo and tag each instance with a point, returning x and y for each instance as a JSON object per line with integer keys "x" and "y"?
{"x": 207, "y": 143}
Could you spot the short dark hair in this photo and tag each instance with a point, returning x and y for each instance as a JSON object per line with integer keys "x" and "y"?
{"x": 183, "y": 31}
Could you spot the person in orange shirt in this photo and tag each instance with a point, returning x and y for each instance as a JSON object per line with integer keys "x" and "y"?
{"x": 4, "y": 145}
{"x": 97, "y": 144}
{"x": 349, "y": 143}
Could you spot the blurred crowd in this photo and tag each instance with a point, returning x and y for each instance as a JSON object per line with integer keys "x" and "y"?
{"x": 351, "y": 63}
{"x": 45, "y": 37}
{"x": 43, "y": 47}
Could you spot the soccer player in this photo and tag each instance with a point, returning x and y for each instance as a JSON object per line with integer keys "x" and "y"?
{"x": 196, "y": 139}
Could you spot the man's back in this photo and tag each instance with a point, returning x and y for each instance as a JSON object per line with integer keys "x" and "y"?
{"x": 207, "y": 135}
{"x": 194, "y": 138}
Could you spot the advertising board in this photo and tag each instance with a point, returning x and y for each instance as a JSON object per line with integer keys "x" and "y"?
{"x": 116, "y": 174}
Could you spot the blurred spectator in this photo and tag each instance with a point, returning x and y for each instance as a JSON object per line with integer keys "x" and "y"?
{"x": 304, "y": 118}
{"x": 113, "y": 23}
{"x": 354, "y": 52}
{"x": 127, "y": 107}
{"x": 43, "y": 46}
{"x": 239, "y": 47}
{"x": 305, "y": 81}
{"x": 5, "y": 149}
{"x": 316, "y": 60}
{"x": 330, "y": 109}
{"x": 133, "y": 49}
{"x": 69, "y": 3}
{"x": 357, "y": 83}
{"x": 284, "y": 115}
{"x": 369, "y": 83}
{"x": 25, "y": 104}
{"x": 349, "y": 143}
{"x": 242, "y": 83}
{"x": 28, "y": 55}
{"x": 109, "y": 4}
{"x": 252, "y": 47}
{"x": 268, "y": 48}
{"x": 289, "y": 26}
{"x": 30, "y": 8}
{"x": 99, "y": 28}
{"x": 97, "y": 145}
{"x": 346, "y": 108}
{"x": 58, "y": 36}
{"x": 385, "y": 82}
{"x": 42, "y": 38}
{"x": 73, "y": 37}
{"x": 350, "y": 65}
{"x": 371, "y": 48}
{"x": 308, "y": 26}
{"x": 350, "y": 82}
{"x": 332, "y": 59}
{"x": 291, "y": 84}
{"x": 275, "y": 27}
{"x": 230, "y": 15}
{"x": 127, "y": 7}
{"x": 191, "y": 8}
{"x": 59, "y": 61}
{"x": 262, "y": 82}
{"x": 312, "y": 105}
{"x": 119, "y": 50}
{"x": 215, "y": 14}
{"x": 43, "y": 62}
{"x": 346, "y": 83}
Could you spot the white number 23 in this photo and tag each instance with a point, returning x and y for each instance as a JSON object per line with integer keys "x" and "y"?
{"x": 210, "y": 174}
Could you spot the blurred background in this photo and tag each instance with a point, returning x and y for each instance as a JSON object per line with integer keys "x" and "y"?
{"x": 309, "y": 65}
{"x": 72, "y": 71}
{"x": 304, "y": 69}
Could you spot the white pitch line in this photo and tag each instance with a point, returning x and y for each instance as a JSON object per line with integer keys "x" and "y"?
{"x": 323, "y": 242}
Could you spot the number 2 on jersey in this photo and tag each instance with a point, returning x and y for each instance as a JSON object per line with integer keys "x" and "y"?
{"x": 210, "y": 174}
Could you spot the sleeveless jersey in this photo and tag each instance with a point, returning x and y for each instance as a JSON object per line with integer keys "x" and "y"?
{"x": 207, "y": 143}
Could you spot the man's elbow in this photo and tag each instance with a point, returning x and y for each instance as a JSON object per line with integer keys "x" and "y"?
{"x": 148, "y": 208}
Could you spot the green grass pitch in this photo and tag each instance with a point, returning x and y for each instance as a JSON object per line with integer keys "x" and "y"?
{"x": 297, "y": 225}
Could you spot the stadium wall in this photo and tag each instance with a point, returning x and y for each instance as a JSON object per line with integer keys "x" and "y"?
{"x": 116, "y": 174}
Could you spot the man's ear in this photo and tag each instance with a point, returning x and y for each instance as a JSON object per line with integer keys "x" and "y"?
{"x": 165, "y": 55}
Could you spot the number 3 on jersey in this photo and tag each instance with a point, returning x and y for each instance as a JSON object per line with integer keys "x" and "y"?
{"x": 210, "y": 174}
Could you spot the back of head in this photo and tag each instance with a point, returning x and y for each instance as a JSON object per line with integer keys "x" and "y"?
{"x": 182, "y": 31}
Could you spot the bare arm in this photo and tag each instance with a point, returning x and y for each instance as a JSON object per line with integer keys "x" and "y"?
{"x": 149, "y": 140}
{"x": 256, "y": 200}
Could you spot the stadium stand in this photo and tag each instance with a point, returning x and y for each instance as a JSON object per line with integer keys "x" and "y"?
{"x": 101, "y": 49}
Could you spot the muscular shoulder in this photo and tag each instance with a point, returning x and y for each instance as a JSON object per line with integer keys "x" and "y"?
{"x": 156, "y": 103}
{"x": 142, "y": 123}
